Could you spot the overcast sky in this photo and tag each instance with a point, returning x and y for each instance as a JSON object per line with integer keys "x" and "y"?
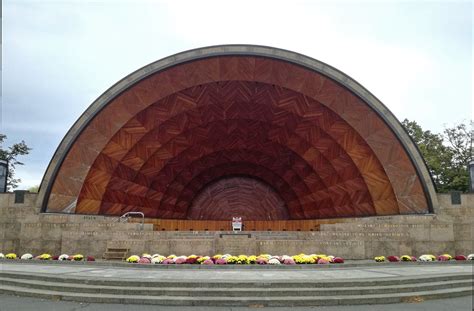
{"x": 58, "y": 56}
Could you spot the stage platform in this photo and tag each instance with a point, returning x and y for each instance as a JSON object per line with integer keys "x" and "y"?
{"x": 359, "y": 282}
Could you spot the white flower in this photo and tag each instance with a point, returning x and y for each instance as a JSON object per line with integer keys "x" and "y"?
{"x": 63, "y": 257}
{"x": 469, "y": 257}
{"x": 158, "y": 259}
{"x": 2, "y": 256}
{"x": 155, "y": 255}
{"x": 274, "y": 261}
{"x": 26, "y": 256}
{"x": 146, "y": 256}
{"x": 286, "y": 257}
{"x": 426, "y": 258}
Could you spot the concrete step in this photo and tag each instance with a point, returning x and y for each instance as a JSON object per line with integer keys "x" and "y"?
{"x": 121, "y": 250}
{"x": 115, "y": 253}
{"x": 268, "y": 291}
{"x": 239, "y": 301}
{"x": 208, "y": 284}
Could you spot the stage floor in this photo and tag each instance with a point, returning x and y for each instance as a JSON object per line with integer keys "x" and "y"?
{"x": 356, "y": 270}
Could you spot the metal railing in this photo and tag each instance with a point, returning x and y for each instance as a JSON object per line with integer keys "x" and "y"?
{"x": 125, "y": 217}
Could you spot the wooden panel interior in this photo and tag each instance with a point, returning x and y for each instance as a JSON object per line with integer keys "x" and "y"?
{"x": 155, "y": 147}
{"x": 251, "y": 225}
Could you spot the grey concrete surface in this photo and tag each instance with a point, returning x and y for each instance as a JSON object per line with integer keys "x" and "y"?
{"x": 132, "y": 273}
{"x": 11, "y": 303}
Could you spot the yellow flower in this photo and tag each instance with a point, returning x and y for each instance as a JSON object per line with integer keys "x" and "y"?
{"x": 10, "y": 256}
{"x": 133, "y": 258}
{"x": 202, "y": 259}
{"x": 45, "y": 257}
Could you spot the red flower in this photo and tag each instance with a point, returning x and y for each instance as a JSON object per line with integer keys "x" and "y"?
{"x": 393, "y": 258}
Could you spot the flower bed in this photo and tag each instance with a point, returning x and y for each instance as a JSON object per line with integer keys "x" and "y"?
{"x": 424, "y": 258}
{"x": 227, "y": 259}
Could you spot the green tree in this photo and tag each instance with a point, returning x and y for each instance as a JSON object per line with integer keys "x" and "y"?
{"x": 459, "y": 139}
{"x": 446, "y": 154}
{"x": 34, "y": 189}
{"x": 10, "y": 154}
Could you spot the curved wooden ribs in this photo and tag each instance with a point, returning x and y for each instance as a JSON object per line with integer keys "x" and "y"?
{"x": 191, "y": 143}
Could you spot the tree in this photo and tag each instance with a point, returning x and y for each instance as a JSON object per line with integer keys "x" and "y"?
{"x": 10, "y": 154}
{"x": 459, "y": 140}
{"x": 34, "y": 189}
{"x": 446, "y": 155}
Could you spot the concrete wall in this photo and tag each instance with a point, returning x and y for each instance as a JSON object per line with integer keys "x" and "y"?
{"x": 23, "y": 229}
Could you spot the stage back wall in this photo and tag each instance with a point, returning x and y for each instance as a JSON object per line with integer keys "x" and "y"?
{"x": 250, "y": 131}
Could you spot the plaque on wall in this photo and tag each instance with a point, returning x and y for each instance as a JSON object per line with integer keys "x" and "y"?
{"x": 455, "y": 197}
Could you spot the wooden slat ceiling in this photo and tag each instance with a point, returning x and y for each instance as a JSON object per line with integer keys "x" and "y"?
{"x": 172, "y": 144}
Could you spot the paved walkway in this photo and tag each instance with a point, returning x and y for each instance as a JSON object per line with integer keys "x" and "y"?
{"x": 9, "y": 303}
{"x": 133, "y": 273}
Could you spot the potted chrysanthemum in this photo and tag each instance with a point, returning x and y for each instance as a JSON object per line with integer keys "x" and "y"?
{"x": 26, "y": 256}
{"x": 78, "y": 257}
{"x": 63, "y": 257}
{"x": 427, "y": 257}
{"x": 133, "y": 259}
{"x": 379, "y": 259}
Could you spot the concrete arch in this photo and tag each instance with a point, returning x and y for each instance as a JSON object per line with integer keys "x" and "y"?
{"x": 314, "y": 80}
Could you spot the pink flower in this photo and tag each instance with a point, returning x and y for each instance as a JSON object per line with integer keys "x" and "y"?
{"x": 443, "y": 258}
{"x": 180, "y": 260}
{"x": 144, "y": 260}
{"x": 168, "y": 261}
{"x": 322, "y": 261}
{"x": 289, "y": 261}
{"x": 221, "y": 261}
{"x": 208, "y": 262}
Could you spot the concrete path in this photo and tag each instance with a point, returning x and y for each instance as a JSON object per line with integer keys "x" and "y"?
{"x": 9, "y": 303}
{"x": 149, "y": 274}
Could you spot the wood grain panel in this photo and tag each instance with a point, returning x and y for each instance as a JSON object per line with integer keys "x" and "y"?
{"x": 136, "y": 154}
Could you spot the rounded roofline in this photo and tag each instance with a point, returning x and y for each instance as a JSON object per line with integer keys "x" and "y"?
{"x": 235, "y": 50}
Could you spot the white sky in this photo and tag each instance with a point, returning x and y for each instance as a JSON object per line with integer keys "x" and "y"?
{"x": 58, "y": 56}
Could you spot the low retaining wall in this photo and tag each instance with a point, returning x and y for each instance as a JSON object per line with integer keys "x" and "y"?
{"x": 23, "y": 229}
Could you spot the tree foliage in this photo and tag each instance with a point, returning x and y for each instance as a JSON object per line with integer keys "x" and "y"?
{"x": 10, "y": 154}
{"x": 446, "y": 154}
